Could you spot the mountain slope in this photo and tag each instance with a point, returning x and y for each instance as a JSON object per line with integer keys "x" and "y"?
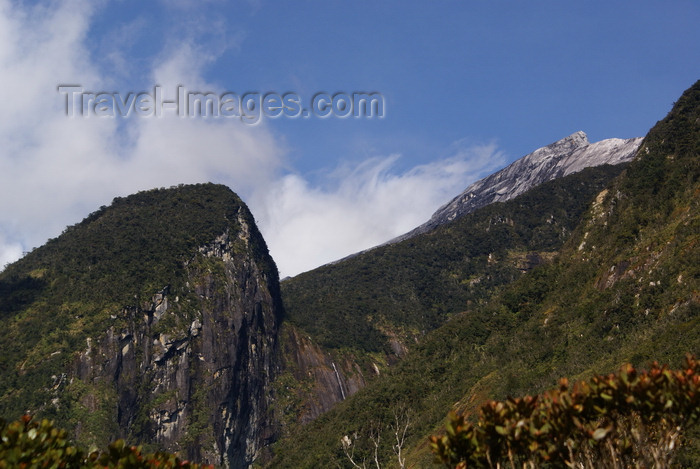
{"x": 624, "y": 288}
{"x": 566, "y": 156}
{"x": 154, "y": 319}
{"x": 347, "y": 321}
{"x": 386, "y": 299}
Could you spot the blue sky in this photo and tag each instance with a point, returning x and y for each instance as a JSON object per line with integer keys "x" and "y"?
{"x": 469, "y": 86}
{"x": 523, "y": 73}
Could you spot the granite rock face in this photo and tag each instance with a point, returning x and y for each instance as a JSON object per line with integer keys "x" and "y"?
{"x": 321, "y": 380}
{"x": 194, "y": 374}
{"x": 566, "y": 156}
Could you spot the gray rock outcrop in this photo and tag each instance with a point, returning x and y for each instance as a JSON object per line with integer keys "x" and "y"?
{"x": 566, "y": 156}
{"x": 194, "y": 375}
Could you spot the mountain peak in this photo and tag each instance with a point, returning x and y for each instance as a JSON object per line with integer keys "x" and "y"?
{"x": 575, "y": 140}
{"x": 559, "y": 149}
{"x": 561, "y": 158}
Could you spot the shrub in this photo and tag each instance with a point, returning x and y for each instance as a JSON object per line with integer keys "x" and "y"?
{"x": 28, "y": 445}
{"x": 629, "y": 419}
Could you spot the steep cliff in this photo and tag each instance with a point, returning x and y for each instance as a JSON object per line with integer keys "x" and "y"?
{"x": 189, "y": 368}
{"x": 313, "y": 380}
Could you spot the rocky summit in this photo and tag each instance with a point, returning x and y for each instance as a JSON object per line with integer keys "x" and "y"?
{"x": 566, "y": 156}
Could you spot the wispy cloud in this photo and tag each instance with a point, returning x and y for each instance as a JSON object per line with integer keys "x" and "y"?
{"x": 55, "y": 170}
{"x": 361, "y": 207}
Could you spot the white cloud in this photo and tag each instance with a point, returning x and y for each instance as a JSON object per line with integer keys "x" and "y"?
{"x": 361, "y": 207}
{"x": 55, "y": 170}
{"x": 9, "y": 252}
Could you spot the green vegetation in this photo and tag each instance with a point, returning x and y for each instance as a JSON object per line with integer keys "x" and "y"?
{"x": 629, "y": 419}
{"x": 30, "y": 445}
{"x": 624, "y": 288}
{"x": 409, "y": 288}
{"x": 79, "y": 285}
{"x": 567, "y": 280}
{"x": 125, "y": 252}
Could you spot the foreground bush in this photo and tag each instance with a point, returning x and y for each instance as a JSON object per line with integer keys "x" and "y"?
{"x": 629, "y": 419}
{"x": 28, "y": 444}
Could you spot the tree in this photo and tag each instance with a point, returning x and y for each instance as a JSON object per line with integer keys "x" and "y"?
{"x": 399, "y": 430}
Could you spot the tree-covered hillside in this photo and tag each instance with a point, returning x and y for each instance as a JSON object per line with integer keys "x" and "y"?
{"x": 403, "y": 290}
{"x": 61, "y": 299}
{"x": 624, "y": 288}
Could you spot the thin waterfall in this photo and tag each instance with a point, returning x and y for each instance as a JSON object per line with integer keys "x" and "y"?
{"x": 340, "y": 384}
